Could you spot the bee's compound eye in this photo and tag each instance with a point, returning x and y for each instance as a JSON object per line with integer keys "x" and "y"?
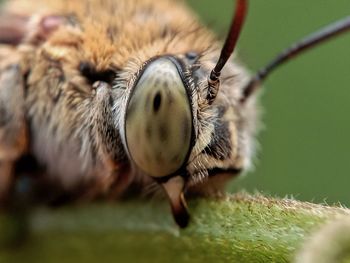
{"x": 158, "y": 122}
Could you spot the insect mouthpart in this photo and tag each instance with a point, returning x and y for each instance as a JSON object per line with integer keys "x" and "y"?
{"x": 159, "y": 128}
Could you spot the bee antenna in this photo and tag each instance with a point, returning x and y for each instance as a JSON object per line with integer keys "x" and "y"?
{"x": 228, "y": 48}
{"x": 294, "y": 50}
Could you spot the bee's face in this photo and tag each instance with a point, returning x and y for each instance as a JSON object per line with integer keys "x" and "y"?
{"x": 170, "y": 130}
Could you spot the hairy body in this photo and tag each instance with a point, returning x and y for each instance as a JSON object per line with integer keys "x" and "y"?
{"x": 65, "y": 80}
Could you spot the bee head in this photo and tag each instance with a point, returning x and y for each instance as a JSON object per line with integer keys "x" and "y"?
{"x": 188, "y": 119}
{"x": 177, "y": 127}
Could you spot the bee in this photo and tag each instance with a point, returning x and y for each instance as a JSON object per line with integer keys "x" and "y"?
{"x": 99, "y": 99}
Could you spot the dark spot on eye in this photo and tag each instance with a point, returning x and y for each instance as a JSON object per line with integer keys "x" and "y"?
{"x": 169, "y": 96}
{"x": 158, "y": 157}
{"x": 148, "y": 130}
{"x": 176, "y": 158}
{"x": 163, "y": 132}
{"x": 156, "y": 82}
{"x": 165, "y": 84}
{"x": 89, "y": 71}
{"x": 191, "y": 55}
{"x": 157, "y": 102}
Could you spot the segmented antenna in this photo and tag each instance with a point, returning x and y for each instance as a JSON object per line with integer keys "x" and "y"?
{"x": 294, "y": 50}
{"x": 227, "y": 50}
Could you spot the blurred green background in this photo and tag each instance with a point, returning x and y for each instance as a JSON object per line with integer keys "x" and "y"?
{"x": 305, "y": 145}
